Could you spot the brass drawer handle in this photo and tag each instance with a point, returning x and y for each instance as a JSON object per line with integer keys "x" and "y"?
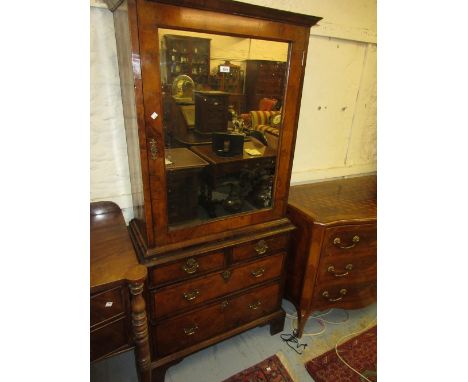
{"x": 337, "y": 242}
{"x": 261, "y": 247}
{"x": 191, "y": 266}
{"x": 327, "y": 295}
{"x": 190, "y": 331}
{"x": 189, "y": 296}
{"x": 224, "y": 304}
{"x": 255, "y": 305}
{"x": 258, "y": 273}
{"x": 348, "y": 268}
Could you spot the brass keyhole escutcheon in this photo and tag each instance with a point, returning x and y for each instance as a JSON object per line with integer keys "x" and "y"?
{"x": 225, "y": 275}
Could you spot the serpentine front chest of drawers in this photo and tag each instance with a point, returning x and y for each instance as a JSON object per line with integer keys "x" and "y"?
{"x": 334, "y": 251}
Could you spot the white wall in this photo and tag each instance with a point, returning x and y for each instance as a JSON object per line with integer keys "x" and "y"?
{"x": 337, "y": 124}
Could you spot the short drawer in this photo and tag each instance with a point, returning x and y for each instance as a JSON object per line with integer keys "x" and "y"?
{"x": 345, "y": 294}
{"x": 260, "y": 247}
{"x": 356, "y": 239}
{"x": 186, "y": 268}
{"x": 196, "y": 326}
{"x": 252, "y": 305}
{"x": 109, "y": 338}
{"x": 189, "y": 294}
{"x": 349, "y": 267}
{"x": 106, "y": 305}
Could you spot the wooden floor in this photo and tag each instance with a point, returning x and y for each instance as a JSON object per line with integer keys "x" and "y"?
{"x": 233, "y": 355}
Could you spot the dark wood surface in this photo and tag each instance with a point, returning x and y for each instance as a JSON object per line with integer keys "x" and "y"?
{"x": 112, "y": 254}
{"x": 334, "y": 250}
{"x": 337, "y": 200}
{"x": 206, "y": 152}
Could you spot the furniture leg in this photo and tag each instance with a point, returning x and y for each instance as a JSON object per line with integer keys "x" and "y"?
{"x": 136, "y": 280}
{"x": 277, "y": 325}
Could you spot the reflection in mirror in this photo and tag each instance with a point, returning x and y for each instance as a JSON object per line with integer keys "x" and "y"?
{"x": 222, "y": 102}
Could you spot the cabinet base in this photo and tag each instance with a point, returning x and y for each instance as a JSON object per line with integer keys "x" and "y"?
{"x": 159, "y": 367}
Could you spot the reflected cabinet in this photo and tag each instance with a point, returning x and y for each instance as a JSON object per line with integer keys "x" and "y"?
{"x": 211, "y": 92}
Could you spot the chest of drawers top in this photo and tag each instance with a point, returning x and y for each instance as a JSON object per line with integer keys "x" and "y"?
{"x": 352, "y": 199}
{"x": 111, "y": 250}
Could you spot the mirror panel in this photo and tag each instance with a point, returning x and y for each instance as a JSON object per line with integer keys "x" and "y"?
{"x": 222, "y": 101}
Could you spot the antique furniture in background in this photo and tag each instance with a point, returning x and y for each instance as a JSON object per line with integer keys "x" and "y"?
{"x": 334, "y": 257}
{"x": 264, "y": 79}
{"x": 211, "y": 276}
{"x": 118, "y": 315}
{"x": 211, "y": 111}
{"x": 187, "y": 55}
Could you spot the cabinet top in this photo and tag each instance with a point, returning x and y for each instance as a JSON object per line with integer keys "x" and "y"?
{"x": 245, "y": 9}
{"x": 336, "y": 200}
{"x": 112, "y": 258}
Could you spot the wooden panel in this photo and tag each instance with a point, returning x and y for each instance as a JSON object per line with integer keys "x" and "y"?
{"x": 260, "y": 247}
{"x": 350, "y": 239}
{"x": 190, "y": 294}
{"x": 106, "y": 305}
{"x": 183, "y": 269}
{"x": 108, "y": 339}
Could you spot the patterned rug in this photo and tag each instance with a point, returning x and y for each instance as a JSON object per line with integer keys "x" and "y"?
{"x": 269, "y": 370}
{"x": 359, "y": 352}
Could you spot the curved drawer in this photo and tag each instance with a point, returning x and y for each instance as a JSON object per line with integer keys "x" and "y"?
{"x": 350, "y": 267}
{"x": 191, "y": 293}
{"x": 350, "y": 239}
{"x": 345, "y": 294}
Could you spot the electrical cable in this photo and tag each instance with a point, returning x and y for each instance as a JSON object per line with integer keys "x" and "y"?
{"x": 349, "y": 335}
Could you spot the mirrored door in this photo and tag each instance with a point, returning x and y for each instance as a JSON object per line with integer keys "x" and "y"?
{"x": 222, "y": 113}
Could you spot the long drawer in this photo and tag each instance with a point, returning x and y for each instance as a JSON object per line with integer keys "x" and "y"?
{"x": 191, "y": 293}
{"x": 199, "y": 325}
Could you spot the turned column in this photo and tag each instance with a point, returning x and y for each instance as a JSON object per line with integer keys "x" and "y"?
{"x": 136, "y": 279}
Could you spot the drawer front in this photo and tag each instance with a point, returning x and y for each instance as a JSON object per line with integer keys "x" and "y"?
{"x": 255, "y": 304}
{"x": 194, "y": 327}
{"x": 260, "y": 247}
{"x": 190, "y": 294}
{"x": 185, "y": 268}
{"x": 106, "y": 305}
{"x": 108, "y": 339}
{"x": 350, "y": 267}
{"x": 355, "y": 239}
{"x": 187, "y": 330}
{"x": 345, "y": 294}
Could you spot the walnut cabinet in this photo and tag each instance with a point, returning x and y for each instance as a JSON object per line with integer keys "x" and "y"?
{"x": 218, "y": 269}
